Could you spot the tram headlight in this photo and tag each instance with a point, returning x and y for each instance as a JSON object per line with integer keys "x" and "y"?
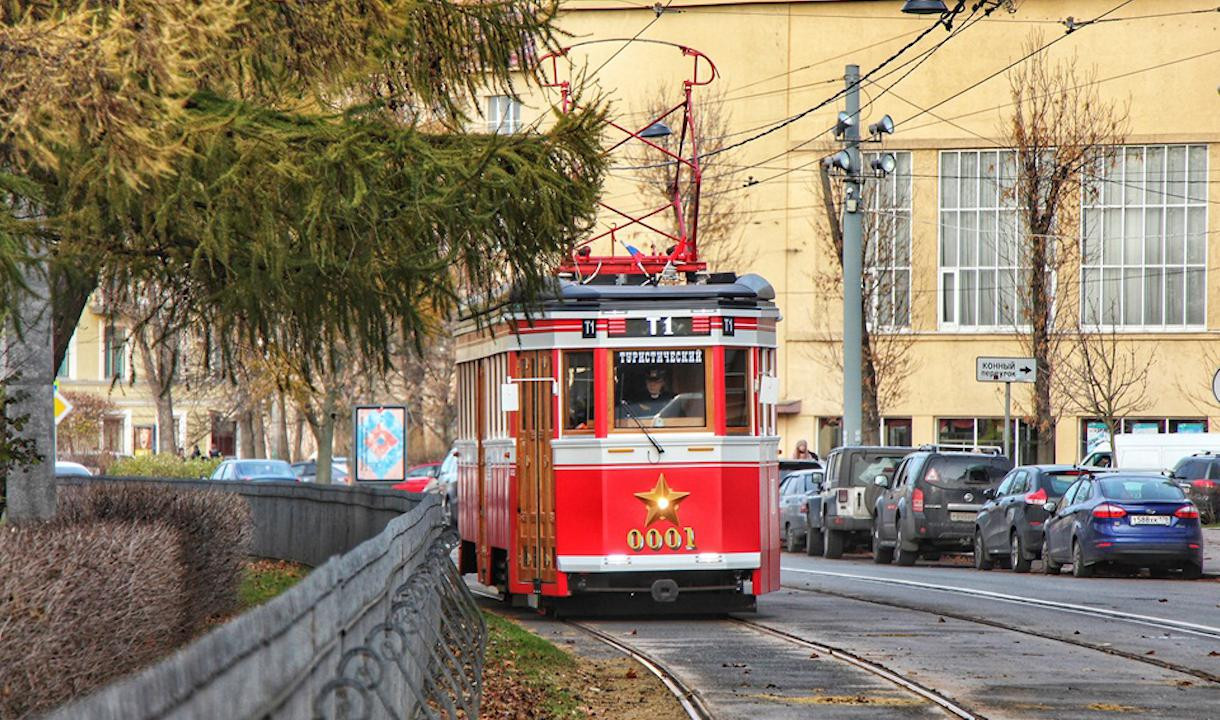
{"x": 709, "y": 558}
{"x": 618, "y": 560}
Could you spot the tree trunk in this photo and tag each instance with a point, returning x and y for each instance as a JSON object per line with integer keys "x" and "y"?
{"x": 29, "y": 370}
{"x": 1041, "y": 317}
{"x": 158, "y": 361}
{"x": 870, "y": 410}
{"x": 245, "y": 430}
{"x": 298, "y": 435}
{"x": 280, "y": 424}
{"x": 258, "y": 421}
{"x": 325, "y": 436}
{"x": 71, "y": 293}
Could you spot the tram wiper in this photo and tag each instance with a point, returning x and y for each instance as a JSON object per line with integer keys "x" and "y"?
{"x": 640, "y": 425}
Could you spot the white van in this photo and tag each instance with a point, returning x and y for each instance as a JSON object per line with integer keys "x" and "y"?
{"x": 1159, "y": 451}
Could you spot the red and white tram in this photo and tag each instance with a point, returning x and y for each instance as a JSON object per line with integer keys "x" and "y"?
{"x": 617, "y": 445}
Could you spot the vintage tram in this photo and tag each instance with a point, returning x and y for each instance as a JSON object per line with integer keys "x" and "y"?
{"x": 617, "y": 443}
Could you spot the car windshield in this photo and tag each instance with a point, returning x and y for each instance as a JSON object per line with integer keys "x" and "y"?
{"x": 264, "y": 468}
{"x": 420, "y": 471}
{"x": 1056, "y": 484}
{"x": 963, "y": 471}
{"x": 1137, "y": 489}
{"x": 867, "y": 466}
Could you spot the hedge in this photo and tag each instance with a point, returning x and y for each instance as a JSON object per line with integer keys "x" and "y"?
{"x": 214, "y": 530}
{"x": 82, "y": 605}
{"x": 162, "y": 465}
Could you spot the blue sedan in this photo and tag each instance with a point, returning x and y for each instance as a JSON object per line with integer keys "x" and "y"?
{"x": 1128, "y": 520}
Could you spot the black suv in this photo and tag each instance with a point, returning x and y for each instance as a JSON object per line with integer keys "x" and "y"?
{"x": 1009, "y": 525}
{"x": 842, "y": 516}
{"x": 1199, "y": 476}
{"x": 931, "y": 503}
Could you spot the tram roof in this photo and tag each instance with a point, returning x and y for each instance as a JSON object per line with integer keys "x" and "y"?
{"x": 749, "y": 289}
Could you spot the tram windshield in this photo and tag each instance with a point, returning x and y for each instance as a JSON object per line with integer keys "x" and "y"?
{"x": 660, "y": 388}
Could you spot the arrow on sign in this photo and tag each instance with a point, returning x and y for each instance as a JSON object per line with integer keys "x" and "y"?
{"x": 62, "y": 407}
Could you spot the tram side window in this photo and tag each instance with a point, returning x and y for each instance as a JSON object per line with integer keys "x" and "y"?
{"x": 736, "y": 388}
{"x": 578, "y": 389}
{"x": 659, "y": 389}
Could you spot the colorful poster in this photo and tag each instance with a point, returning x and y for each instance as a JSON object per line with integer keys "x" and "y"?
{"x": 381, "y": 442}
{"x": 1096, "y": 435}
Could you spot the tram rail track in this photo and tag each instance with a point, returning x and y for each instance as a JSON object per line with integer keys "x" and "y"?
{"x": 944, "y": 702}
{"x": 1112, "y": 615}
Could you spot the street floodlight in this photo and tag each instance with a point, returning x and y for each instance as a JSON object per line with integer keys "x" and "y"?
{"x": 656, "y": 130}
{"x": 845, "y": 121}
{"x": 924, "y": 7}
{"x": 883, "y": 164}
{"x": 841, "y": 160}
{"x": 884, "y": 126}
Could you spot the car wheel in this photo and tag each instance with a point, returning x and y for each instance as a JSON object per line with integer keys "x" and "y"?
{"x": 1079, "y": 569}
{"x": 981, "y": 561}
{"x": 1049, "y": 567}
{"x": 1017, "y": 558}
{"x": 881, "y": 555}
{"x": 903, "y": 556}
{"x": 832, "y": 544}
{"x": 813, "y": 541}
{"x": 790, "y": 540}
{"x": 1192, "y": 571}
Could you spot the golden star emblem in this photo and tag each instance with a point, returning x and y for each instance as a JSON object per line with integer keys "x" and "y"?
{"x": 662, "y": 502}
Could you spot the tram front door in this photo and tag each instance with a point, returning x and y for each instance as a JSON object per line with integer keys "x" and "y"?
{"x": 536, "y": 477}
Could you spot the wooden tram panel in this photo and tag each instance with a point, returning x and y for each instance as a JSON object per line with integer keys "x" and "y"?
{"x": 524, "y": 515}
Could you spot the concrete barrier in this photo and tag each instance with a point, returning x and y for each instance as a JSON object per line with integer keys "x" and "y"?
{"x": 301, "y": 522}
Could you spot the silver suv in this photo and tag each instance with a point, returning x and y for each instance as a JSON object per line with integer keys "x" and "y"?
{"x": 844, "y": 511}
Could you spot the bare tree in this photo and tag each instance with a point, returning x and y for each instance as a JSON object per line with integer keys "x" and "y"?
{"x": 885, "y": 291}
{"x": 1103, "y": 375}
{"x": 720, "y": 241}
{"x": 1059, "y": 128}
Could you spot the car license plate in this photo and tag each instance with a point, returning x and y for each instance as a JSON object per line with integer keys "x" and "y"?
{"x": 962, "y": 516}
{"x": 1149, "y": 519}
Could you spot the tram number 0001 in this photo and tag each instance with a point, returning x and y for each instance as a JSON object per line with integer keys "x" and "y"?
{"x": 654, "y": 539}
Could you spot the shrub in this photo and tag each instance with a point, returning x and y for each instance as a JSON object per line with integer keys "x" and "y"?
{"x": 82, "y": 605}
{"x": 214, "y": 529}
{"x": 163, "y": 465}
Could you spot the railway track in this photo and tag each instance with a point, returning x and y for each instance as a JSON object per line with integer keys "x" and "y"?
{"x": 1163, "y": 624}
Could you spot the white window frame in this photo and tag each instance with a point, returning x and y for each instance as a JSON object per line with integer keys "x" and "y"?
{"x": 1014, "y": 438}
{"x": 894, "y": 199}
{"x": 1127, "y": 200}
{"x": 498, "y": 120}
{"x": 978, "y": 184}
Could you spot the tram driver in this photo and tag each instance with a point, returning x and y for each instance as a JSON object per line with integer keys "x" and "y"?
{"x": 655, "y": 395}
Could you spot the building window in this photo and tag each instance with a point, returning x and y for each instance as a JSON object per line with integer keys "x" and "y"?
{"x": 112, "y": 434}
{"x": 896, "y": 432}
{"x": 830, "y": 435}
{"x": 1093, "y": 431}
{"x": 1145, "y": 238}
{"x": 979, "y": 230}
{"x": 65, "y": 367}
{"x": 989, "y": 432}
{"x": 115, "y": 352}
{"x": 887, "y": 244}
{"x": 503, "y": 114}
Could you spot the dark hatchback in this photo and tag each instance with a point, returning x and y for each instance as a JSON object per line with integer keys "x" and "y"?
{"x": 1127, "y": 520}
{"x": 1009, "y": 525}
{"x": 1200, "y": 474}
{"x": 931, "y": 505}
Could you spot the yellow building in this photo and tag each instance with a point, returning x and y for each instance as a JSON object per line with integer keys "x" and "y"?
{"x": 949, "y": 96}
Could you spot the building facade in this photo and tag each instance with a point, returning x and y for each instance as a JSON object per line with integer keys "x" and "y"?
{"x": 952, "y": 289}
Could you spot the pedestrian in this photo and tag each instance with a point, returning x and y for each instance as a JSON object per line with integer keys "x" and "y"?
{"x": 196, "y": 453}
{"x": 802, "y": 451}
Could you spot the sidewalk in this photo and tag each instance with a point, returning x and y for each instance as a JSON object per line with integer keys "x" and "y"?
{"x": 1211, "y": 551}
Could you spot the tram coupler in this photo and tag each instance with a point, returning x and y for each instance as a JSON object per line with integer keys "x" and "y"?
{"x": 664, "y": 590}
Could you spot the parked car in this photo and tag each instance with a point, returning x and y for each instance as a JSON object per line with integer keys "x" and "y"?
{"x": 447, "y": 483}
{"x": 794, "y": 496}
{"x": 842, "y": 516}
{"x": 1200, "y": 476}
{"x": 787, "y": 467}
{"x": 1009, "y": 525}
{"x": 307, "y": 471}
{"x": 419, "y": 477}
{"x": 254, "y": 471}
{"x": 1127, "y": 520}
{"x": 64, "y": 468}
{"x": 931, "y": 504}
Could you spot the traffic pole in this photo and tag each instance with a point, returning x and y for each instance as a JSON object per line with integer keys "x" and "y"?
{"x": 853, "y": 269}
{"x": 1007, "y": 417}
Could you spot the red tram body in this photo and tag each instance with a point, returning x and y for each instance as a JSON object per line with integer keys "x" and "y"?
{"x": 578, "y": 483}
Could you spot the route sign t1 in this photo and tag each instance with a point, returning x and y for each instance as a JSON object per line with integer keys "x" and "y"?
{"x": 1005, "y": 369}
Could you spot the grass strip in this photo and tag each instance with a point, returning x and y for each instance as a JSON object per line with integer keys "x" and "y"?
{"x": 264, "y": 579}
{"x": 523, "y": 670}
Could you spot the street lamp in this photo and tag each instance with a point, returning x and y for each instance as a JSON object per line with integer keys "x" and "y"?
{"x": 841, "y": 160}
{"x": 924, "y": 7}
{"x": 656, "y": 130}
{"x": 883, "y": 164}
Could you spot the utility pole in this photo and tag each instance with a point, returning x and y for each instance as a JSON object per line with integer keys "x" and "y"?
{"x": 853, "y": 266}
